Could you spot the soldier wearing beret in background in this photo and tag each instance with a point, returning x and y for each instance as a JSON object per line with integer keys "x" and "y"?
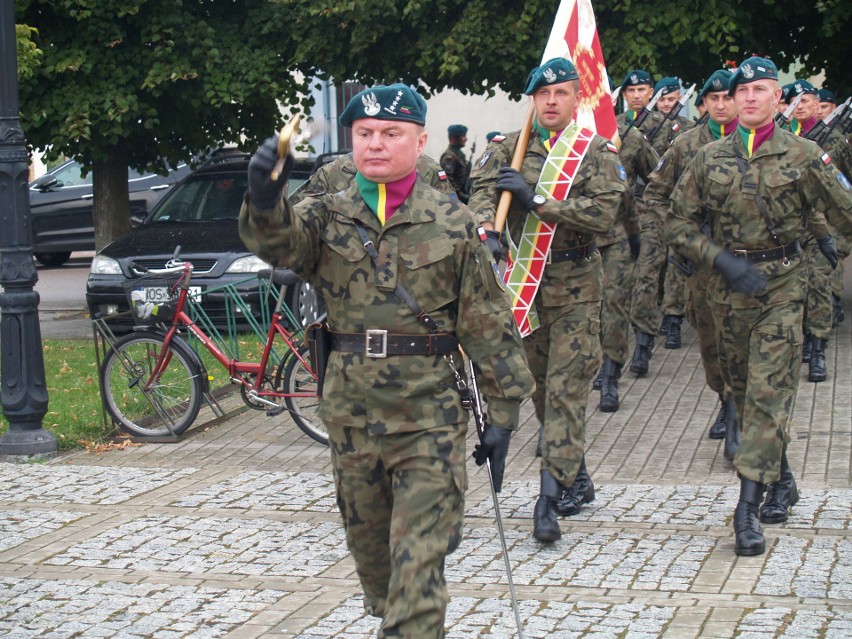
{"x": 823, "y": 256}
{"x": 827, "y": 103}
{"x": 758, "y": 190}
{"x": 454, "y": 162}
{"x": 393, "y": 412}
{"x": 564, "y": 352}
{"x": 721, "y": 122}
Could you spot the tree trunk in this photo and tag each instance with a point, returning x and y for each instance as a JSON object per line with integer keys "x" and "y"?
{"x": 111, "y": 205}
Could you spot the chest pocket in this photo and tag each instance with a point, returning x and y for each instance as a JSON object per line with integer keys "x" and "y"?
{"x": 344, "y": 264}
{"x": 782, "y": 190}
{"x": 427, "y": 271}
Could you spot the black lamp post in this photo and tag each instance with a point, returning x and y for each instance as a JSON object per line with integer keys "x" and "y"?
{"x": 24, "y": 392}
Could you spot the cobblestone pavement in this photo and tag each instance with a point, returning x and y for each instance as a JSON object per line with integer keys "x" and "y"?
{"x": 234, "y": 533}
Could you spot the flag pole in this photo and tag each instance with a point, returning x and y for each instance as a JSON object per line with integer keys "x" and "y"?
{"x": 517, "y": 162}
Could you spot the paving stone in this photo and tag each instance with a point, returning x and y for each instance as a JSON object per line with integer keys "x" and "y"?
{"x": 18, "y": 526}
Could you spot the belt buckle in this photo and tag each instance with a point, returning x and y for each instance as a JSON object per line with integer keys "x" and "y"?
{"x": 382, "y": 336}
{"x": 740, "y": 253}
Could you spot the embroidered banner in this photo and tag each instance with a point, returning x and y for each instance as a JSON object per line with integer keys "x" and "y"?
{"x": 528, "y": 257}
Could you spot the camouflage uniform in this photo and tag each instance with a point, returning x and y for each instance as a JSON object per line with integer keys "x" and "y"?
{"x": 660, "y": 186}
{"x": 338, "y": 176}
{"x": 454, "y": 164}
{"x": 759, "y": 337}
{"x": 564, "y": 353}
{"x": 396, "y": 424}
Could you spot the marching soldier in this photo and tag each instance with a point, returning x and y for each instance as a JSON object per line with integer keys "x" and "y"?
{"x": 757, "y": 190}
{"x": 454, "y": 162}
{"x": 721, "y": 122}
{"x": 564, "y": 352}
{"x": 407, "y": 279}
{"x": 827, "y": 103}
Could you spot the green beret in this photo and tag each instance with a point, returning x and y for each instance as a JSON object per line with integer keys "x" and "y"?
{"x": 668, "y": 85}
{"x": 751, "y": 69}
{"x": 490, "y": 135}
{"x": 826, "y": 95}
{"x": 637, "y": 77}
{"x": 699, "y": 100}
{"x": 718, "y": 81}
{"x": 554, "y": 71}
{"x": 799, "y": 87}
{"x": 457, "y": 129}
{"x": 392, "y": 102}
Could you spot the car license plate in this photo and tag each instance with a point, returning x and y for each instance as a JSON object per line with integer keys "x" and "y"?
{"x": 160, "y": 294}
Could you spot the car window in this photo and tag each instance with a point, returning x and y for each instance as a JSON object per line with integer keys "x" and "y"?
{"x": 71, "y": 175}
{"x": 205, "y": 197}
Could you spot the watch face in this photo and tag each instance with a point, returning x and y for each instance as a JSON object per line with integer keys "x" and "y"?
{"x": 538, "y": 200}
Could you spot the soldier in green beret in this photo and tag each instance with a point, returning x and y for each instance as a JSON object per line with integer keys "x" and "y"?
{"x": 564, "y": 352}
{"x": 827, "y": 103}
{"x": 407, "y": 279}
{"x": 454, "y": 162}
{"x": 721, "y": 122}
{"x": 756, "y": 190}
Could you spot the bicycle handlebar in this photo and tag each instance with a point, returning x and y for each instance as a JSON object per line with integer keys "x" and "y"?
{"x": 174, "y": 265}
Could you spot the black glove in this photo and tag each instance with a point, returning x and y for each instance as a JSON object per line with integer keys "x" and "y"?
{"x": 265, "y": 192}
{"x": 492, "y": 241}
{"x": 510, "y": 180}
{"x": 494, "y": 448}
{"x": 741, "y": 275}
{"x": 635, "y": 245}
{"x": 829, "y": 248}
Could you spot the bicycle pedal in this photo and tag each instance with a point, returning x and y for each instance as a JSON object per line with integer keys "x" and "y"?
{"x": 272, "y": 412}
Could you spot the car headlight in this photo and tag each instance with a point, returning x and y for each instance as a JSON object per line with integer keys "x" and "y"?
{"x": 249, "y": 264}
{"x": 103, "y": 265}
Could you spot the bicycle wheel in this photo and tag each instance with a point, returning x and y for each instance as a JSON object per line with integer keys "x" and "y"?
{"x": 302, "y": 402}
{"x": 169, "y": 404}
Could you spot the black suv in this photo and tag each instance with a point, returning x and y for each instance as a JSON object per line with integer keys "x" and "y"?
{"x": 199, "y": 214}
{"x": 61, "y": 208}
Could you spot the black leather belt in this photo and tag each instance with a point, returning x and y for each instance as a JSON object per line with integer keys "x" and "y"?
{"x": 756, "y": 256}
{"x": 573, "y": 254}
{"x": 379, "y": 343}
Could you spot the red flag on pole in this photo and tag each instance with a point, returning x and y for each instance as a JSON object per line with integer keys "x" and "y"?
{"x": 575, "y": 36}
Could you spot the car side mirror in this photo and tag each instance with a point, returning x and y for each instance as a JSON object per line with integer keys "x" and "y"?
{"x": 45, "y": 182}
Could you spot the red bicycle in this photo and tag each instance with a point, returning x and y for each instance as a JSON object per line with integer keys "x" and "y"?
{"x": 153, "y": 381}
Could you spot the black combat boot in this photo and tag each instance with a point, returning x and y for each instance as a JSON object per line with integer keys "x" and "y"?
{"x": 540, "y": 443}
{"x": 806, "y": 349}
{"x": 609, "y": 387}
{"x": 780, "y": 495}
{"x": 732, "y": 430}
{"x": 582, "y": 491}
{"x": 717, "y": 430}
{"x": 663, "y": 330}
{"x": 596, "y": 385}
{"x": 749, "y": 535}
{"x": 817, "y": 372}
{"x": 673, "y": 333}
{"x": 545, "y": 524}
{"x": 642, "y": 353}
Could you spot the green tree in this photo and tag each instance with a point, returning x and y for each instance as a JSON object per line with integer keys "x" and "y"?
{"x": 143, "y": 82}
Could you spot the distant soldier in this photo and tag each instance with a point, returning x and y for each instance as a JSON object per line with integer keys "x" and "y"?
{"x": 454, "y": 162}
{"x": 721, "y": 122}
{"x": 827, "y": 103}
{"x": 757, "y": 190}
{"x": 564, "y": 352}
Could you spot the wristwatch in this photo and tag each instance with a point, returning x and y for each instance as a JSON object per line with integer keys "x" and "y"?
{"x": 538, "y": 200}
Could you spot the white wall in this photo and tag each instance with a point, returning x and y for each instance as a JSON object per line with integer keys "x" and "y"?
{"x": 479, "y": 114}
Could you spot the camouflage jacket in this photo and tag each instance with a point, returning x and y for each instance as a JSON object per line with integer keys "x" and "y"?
{"x": 431, "y": 247}
{"x": 338, "y": 175}
{"x": 796, "y": 184}
{"x": 666, "y": 135}
{"x": 454, "y": 164}
{"x": 590, "y": 209}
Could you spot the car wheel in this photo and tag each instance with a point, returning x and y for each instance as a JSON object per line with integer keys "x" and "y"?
{"x": 306, "y": 304}
{"x": 53, "y": 259}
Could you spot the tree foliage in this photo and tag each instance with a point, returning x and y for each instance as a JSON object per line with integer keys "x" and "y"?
{"x": 137, "y": 82}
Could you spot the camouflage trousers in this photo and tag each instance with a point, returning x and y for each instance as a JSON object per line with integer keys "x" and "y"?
{"x": 674, "y": 291}
{"x": 699, "y": 313}
{"x": 819, "y": 308}
{"x": 843, "y": 249}
{"x": 645, "y": 306}
{"x": 402, "y": 501}
{"x": 760, "y": 356}
{"x": 615, "y": 312}
{"x": 564, "y": 356}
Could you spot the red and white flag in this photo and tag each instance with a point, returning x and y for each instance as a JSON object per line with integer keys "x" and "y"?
{"x": 575, "y": 36}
